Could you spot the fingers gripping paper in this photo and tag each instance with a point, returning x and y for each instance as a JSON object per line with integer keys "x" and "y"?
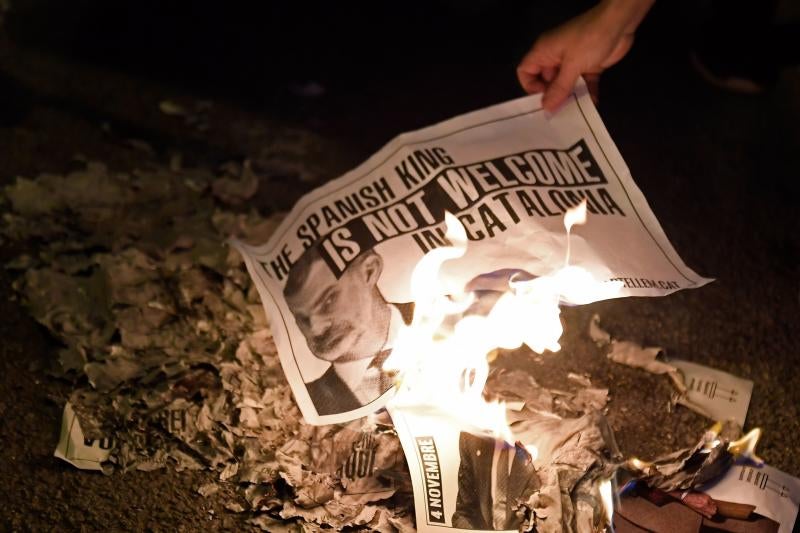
{"x": 334, "y": 278}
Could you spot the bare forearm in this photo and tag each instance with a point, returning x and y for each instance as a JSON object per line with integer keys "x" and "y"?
{"x": 585, "y": 45}
{"x": 625, "y": 14}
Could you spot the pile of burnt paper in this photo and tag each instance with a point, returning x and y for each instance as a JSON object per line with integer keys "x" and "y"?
{"x": 160, "y": 321}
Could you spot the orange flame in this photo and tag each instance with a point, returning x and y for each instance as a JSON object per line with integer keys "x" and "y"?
{"x": 447, "y": 373}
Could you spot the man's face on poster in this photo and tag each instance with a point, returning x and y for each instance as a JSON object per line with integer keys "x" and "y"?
{"x": 337, "y": 317}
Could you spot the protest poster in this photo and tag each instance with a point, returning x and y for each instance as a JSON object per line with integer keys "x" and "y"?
{"x": 334, "y": 278}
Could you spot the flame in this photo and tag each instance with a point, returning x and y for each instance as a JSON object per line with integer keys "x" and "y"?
{"x": 606, "y": 490}
{"x": 746, "y": 446}
{"x": 444, "y": 369}
{"x": 574, "y": 215}
{"x": 636, "y": 464}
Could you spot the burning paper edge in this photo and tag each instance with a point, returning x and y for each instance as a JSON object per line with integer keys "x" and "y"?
{"x": 404, "y": 422}
{"x": 528, "y": 313}
{"x": 741, "y": 449}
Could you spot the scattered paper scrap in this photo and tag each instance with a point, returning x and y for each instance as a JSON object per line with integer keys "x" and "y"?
{"x": 600, "y": 336}
{"x": 775, "y": 494}
{"x": 712, "y": 393}
{"x": 633, "y": 354}
{"x": 74, "y": 448}
{"x": 208, "y": 489}
{"x": 723, "y": 396}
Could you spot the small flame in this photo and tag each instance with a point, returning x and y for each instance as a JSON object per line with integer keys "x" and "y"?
{"x": 746, "y": 446}
{"x": 606, "y": 489}
{"x": 443, "y": 369}
{"x": 636, "y": 464}
{"x": 574, "y": 215}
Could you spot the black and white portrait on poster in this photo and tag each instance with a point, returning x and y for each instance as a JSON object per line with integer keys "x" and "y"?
{"x": 348, "y": 323}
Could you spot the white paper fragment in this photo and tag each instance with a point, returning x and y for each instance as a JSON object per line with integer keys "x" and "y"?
{"x": 229, "y": 471}
{"x": 498, "y": 142}
{"x": 723, "y": 396}
{"x": 600, "y": 336}
{"x": 633, "y": 354}
{"x": 581, "y": 379}
{"x": 775, "y": 494}
{"x": 272, "y": 525}
{"x": 86, "y": 454}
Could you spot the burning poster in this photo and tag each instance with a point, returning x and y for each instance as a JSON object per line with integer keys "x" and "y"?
{"x": 335, "y": 277}
{"x": 484, "y": 434}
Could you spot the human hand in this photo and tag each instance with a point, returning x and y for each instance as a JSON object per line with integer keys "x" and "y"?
{"x": 585, "y": 45}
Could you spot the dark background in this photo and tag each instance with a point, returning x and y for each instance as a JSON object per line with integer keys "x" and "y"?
{"x": 719, "y": 170}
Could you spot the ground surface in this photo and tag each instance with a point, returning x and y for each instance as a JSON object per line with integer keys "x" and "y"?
{"x": 720, "y": 172}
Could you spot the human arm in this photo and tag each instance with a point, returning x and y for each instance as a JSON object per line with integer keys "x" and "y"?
{"x": 585, "y": 45}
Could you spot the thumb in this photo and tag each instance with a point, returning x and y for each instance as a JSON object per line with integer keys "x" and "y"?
{"x": 561, "y": 87}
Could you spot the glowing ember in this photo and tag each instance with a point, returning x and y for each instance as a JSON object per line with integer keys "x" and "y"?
{"x": 444, "y": 368}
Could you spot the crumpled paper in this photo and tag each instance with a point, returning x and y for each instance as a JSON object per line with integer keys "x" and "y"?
{"x": 575, "y": 448}
{"x": 690, "y": 468}
{"x": 130, "y": 274}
